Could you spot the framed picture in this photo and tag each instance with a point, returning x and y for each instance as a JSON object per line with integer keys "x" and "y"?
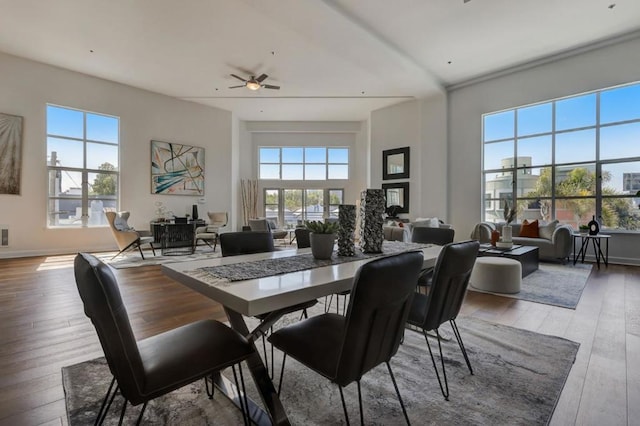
{"x": 10, "y": 153}
{"x": 397, "y": 194}
{"x": 176, "y": 169}
{"x": 395, "y": 163}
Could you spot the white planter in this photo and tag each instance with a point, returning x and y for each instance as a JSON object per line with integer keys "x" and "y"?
{"x": 506, "y": 233}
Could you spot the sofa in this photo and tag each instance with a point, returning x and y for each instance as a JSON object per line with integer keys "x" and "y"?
{"x": 394, "y": 232}
{"x": 554, "y": 242}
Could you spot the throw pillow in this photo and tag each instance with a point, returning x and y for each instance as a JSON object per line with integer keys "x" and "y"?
{"x": 529, "y": 229}
{"x": 546, "y": 231}
{"x": 432, "y": 222}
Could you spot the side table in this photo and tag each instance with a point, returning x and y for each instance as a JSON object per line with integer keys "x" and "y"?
{"x": 597, "y": 247}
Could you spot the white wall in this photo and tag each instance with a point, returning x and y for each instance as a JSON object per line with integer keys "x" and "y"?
{"x": 282, "y": 133}
{"x": 25, "y": 89}
{"x": 597, "y": 69}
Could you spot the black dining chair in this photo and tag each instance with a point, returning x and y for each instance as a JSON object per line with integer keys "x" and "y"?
{"x": 239, "y": 243}
{"x": 149, "y": 368}
{"x": 302, "y": 237}
{"x": 442, "y": 303}
{"x": 344, "y": 348}
{"x": 428, "y": 235}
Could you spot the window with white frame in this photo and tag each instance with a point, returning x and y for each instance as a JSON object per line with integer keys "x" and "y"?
{"x": 82, "y": 165}
{"x": 294, "y": 206}
{"x": 303, "y": 163}
{"x": 568, "y": 159}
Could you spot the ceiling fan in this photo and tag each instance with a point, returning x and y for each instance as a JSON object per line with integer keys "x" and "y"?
{"x": 254, "y": 83}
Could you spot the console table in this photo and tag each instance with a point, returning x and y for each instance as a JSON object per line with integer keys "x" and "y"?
{"x": 175, "y": 238}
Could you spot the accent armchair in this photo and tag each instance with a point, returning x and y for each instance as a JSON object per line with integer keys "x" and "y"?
{"x": 126, "y": 237}
{"x": 211, "y": 233}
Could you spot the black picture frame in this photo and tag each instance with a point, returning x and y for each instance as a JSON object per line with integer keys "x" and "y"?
{"x": 391, "y": 160}
{"x": 395, "y": 197}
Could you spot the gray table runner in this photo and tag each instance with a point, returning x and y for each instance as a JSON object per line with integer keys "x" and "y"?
{"x": 270, "y": 267}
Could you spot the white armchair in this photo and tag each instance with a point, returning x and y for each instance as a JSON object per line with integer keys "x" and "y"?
{"x": 210, "y": 233}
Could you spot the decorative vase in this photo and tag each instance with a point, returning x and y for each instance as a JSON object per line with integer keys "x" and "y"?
{"x": 594, "y": 226}
{"x": 194, "y": 212}
{"x": 322, "y": 245}
{"x": 346, "y": 238}
{"x": 506, "y": 233}
{"x": 495, "y": 236}
{"x": 372, "y": 204}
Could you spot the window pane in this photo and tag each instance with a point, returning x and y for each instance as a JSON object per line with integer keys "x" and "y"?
{"x": 499, "y": 126}
{"x": 102, "y": 128}
{"x": 537, "y": 148}
{"x": 65, "y": 122}
{"x": 269, "y": 171}
{"x": 103, "y": 184}
{"x": 498, "y": 155}
{"x": 576, "y": 112}
{"x": 338, "y": 171}
{"x": 96, "y": 211}
{"x": 293, "y": 206}
{"x": 621, "y": 178}
{"x": 535, "y": 119}
{"x": 65, "y": 152}
{"x": 529, "y": 182}
{"x": 269, "y": 155}
{"x": 620, "y": 213}
{"x": 336, "y": 196}
{"x": 620, "y": 104}
{"x": 101, "y": 156}
{"x": 575, "y": 181}
{"x": 314, "y": 204}
{"x": 620, "y": 141}
{"x": 292, "y": 155}
{"x": 66, "y": 183}
{"x": 495, "y": 186}
{"x": 315, "y": 155}
{"x": 576, "y": 146}
{"x": 339, "y": 155}
{"x": 65, "y": 212}
{"x": 315, "y": 172}
{"x": 271, "y": 196}
{"x": 575, "y": 212}
{"x": 292, "y": 172}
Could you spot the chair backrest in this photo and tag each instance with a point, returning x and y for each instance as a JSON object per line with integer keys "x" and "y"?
{"x": 123, "y": 238}
{"x": 103, "y": 304}
{"x": 236, "y": 243}
{"x": 302, "y": 237}
{"x": 259, "y": 225}
{"x": 218, "y": 219}
{"x": 427, "y": 235}
{"x": 378, "y": 309}
{"x": 449, "y": 284}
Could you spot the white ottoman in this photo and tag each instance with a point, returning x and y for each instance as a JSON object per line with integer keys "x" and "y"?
{"x": 496, "y": 274}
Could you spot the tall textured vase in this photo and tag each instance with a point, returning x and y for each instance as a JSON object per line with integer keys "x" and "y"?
{"x": 347, "y": 221}
{"x": 372, "y": 204}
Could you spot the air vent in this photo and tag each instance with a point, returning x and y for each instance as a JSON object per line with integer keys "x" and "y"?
{"x": 4, "y": 236}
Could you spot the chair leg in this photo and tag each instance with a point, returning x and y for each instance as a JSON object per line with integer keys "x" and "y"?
{"x": 327, "y": 306}
{"x": 266, "y": 358}
{"x": 144, "y": 406}
{"x": 206, "y": 386}
{"x": 124, "y": 408}
{"x": 456, "y": 332}
{"x": 445, "y": 389}
{"x": 344, "y": 406}
{"x": 242, "y": 396}
{"x": 104, "y": 402}
{"x": 140, "y": 250}
{"x": 395, "y": 385}
{"x": 284, "y": 358}
{"x": 360, "y": 404}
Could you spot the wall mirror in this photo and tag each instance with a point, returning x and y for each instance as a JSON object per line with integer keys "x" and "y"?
{"x": 397, "y": 194}
{"x": 395, "y": 163}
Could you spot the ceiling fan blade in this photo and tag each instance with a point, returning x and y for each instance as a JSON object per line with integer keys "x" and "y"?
{"x": 269, "y": 86}
{"x": 239, "y": 78}
{"x": 261, "y": 78}
{"x": 235, "y": 87}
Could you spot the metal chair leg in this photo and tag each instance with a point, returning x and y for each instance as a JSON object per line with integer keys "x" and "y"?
{"x": 284, "y": 358}
{"x": 445, "y": 389}
{"x": 456, "y": 332}
{"x": 124, "y": 408}
{"x": 344, "y": 406}
{"x": 395, "y": 385}
{"x": 242, "y": 396}
{"x": 360, "y": 404}
{"x": 144, "y": 407}
{"x": 206, "y": 386}
{"x": 102, "y": 411}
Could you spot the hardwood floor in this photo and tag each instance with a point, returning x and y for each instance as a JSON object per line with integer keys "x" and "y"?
{"x": 43, "y": 328}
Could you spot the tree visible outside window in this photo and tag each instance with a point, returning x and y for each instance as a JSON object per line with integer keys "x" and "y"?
{"x": 82, "y": 163}
{"x": 293, "y": 205}
{"x": 569, "y": 159}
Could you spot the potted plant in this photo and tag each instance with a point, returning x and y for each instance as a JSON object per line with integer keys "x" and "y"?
{"x": 509, "y": 215}
{"x": 584, "y": 229}
{"x": 322, "y": 236}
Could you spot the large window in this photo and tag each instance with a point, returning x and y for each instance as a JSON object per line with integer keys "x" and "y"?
{"x": 293, "y": 206}
{"x": 303, "y": 163}
{"x": 82, "y": 164}
{"x": 568, "y": 159}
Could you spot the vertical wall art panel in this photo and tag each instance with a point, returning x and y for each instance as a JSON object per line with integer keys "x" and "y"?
{"x": 176, "y": 169}
{"x": 10, "y": 153}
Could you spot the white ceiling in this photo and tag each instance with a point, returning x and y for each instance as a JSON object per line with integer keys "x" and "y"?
{"x": 334, "y": 59}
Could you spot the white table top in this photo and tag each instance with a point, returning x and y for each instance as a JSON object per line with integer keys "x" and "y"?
{"x": 257, "y": 296}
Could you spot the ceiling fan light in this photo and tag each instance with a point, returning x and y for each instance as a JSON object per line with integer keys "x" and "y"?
{"x": 253, "y": 85}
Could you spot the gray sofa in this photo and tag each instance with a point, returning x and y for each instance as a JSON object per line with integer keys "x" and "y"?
{"x": 555, "y": 242}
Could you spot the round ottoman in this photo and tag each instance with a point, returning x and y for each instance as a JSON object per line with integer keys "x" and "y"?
{"x": 497, "y": 274}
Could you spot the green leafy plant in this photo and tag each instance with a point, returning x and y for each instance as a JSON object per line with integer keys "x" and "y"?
{"x": 584, "y": 228}
{"x": 509, "y": 212}
{"x": 318, "y": 227}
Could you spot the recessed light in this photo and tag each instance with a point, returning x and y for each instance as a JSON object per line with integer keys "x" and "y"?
{"x": 449, "y": 62}
{"x": 611, "y": 6}
{"x": 362, "y": 92}
{"x": 90, "y": 50}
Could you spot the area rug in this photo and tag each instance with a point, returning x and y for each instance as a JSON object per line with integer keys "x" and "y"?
{"x": 552, "y": 284}
{"x": 518, "y": 378}
{"x": 133, "y": 259}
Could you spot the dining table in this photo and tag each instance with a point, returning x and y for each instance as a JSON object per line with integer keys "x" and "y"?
{"x": 267, "y": 284}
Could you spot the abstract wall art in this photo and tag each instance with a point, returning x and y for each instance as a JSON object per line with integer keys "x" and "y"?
{"x": 176, "y": 169}
{"x": 10, "y": 153}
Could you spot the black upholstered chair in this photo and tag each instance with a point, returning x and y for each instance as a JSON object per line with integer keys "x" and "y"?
{"x": 427, "y": 235}
{"x": 442, "y": 303}
{"x": 344, "y": 348}
{"x": 157, "y": 365}
{"x": 302, "y": 237}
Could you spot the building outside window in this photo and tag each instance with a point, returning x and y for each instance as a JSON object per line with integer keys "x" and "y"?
{"x": 568, "y": 159}
{"x": 83, "y": 167}
{"x": 292, "y": 207}
{"x": 303, "y": 163}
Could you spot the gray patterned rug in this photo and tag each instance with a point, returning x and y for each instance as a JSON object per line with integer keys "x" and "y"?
{"x": 552, "y": 284}
{"x": 132, "y": 259}
{"x": 518, "y": 378}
